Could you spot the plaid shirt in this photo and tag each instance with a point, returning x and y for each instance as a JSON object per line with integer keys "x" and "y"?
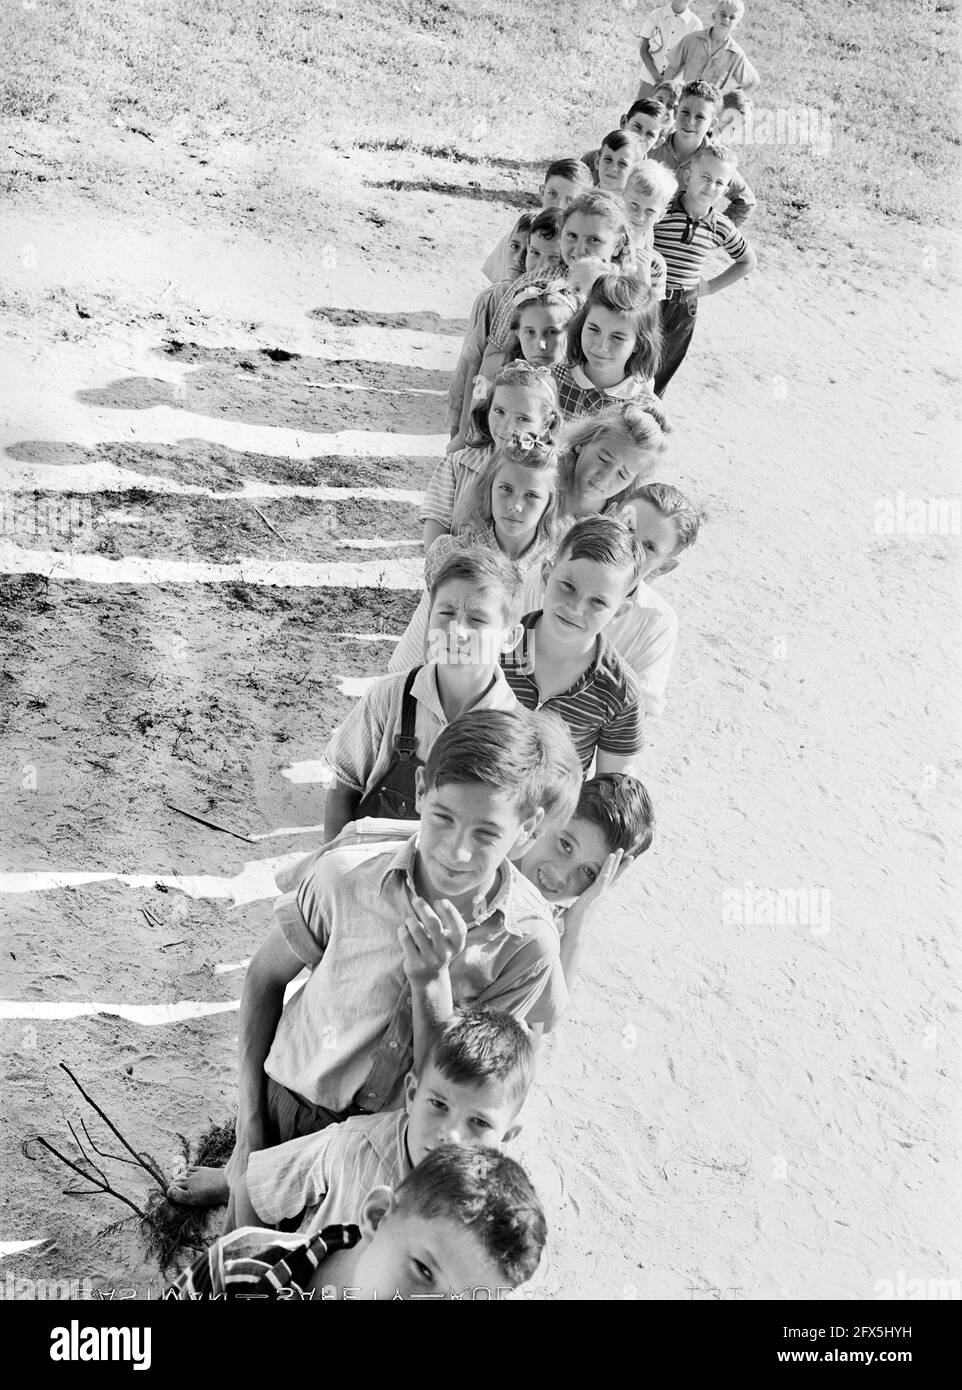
{"x": 577, "y": 396}
{"x": 256, "y": 1263}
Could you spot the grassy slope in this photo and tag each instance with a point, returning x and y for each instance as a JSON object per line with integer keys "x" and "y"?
{"x": 499, "y": 78}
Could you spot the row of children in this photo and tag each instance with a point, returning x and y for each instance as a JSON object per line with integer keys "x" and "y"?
{"x": 373, "y": 1101}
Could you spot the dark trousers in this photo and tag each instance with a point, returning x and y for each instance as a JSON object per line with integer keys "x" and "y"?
{"x": 677, "y": 326}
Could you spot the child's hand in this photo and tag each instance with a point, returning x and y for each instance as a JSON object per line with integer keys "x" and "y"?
{"x": 611, "y": 871}
{"x": 431, "y": 940}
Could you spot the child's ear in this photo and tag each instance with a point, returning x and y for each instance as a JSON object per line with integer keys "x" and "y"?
{"x": 378, "y": 1203}
{"x": 529, "y": 826}
{"x": 511, "y": 1133}
{"x": 410, "y": 1090}
{"x": 623, "y": 121}
{"x": 626, "y": 604}
{"x": 512, "y": 636}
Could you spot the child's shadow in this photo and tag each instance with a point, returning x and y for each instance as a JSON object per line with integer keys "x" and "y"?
{"x": 512, "y": 196}
{"x": 273, "y": 387}
{"x": 419, "y": 320}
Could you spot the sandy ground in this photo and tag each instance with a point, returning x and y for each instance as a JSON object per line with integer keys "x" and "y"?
{"x": 741, "y": 1103}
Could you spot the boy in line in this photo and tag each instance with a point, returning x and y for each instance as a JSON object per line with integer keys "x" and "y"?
{"x": 565, "y": 663}
{"x": 564, "y": 179}
{"x": 698, "y": 113}
{"x": 466, "y": 1218}
{"x": 712, "y": 55}
{"x": 661, "y": 31}
{"x": 375, "y": 753}
{"x": 343, "y": 1044}
{"x": 470, "y": 1089}
{"x": 690, "y": 229}
{"x": 644, "y": 118}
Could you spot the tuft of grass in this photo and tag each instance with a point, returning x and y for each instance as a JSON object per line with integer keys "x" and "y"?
{"x": 510, "y": 80}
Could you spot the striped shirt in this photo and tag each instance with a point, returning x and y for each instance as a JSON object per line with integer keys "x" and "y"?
{"x": 741, "y": 199}
{"x": 577, "y": 396}
{"x": 685, "y": 241}
{"x": 453, "y": 478}
{"x": 604, "y": 709}
{"x": 254, "y": 1263}
{"x": 324, "y": 1178}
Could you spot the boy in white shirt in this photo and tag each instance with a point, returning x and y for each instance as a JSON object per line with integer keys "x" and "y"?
{"x": 661, "y": 31}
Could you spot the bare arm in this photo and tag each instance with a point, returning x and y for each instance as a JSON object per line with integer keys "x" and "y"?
{"x": 581, "y": 914}
{"x": 432, "y": 530}
{"x": 430, "y": 939}
{"x": 339, "y": 809}
{"x": 647, "y": 62}
{"x": 736, "y": 271}
{"x": 240, "y": 1212}
{"x": 613, "y": 762}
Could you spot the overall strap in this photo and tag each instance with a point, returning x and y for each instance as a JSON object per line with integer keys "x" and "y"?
{"x": 405, "y": 742}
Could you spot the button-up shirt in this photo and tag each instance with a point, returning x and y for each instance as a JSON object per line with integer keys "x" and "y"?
{"x": 699, "y": 57}
{"x": 347, "y": 1036}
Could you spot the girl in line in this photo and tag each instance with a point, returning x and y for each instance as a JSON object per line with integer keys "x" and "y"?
{"x": 614, "y": 346}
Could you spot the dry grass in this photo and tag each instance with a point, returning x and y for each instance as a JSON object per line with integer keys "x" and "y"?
{"x": 493, "y": 80}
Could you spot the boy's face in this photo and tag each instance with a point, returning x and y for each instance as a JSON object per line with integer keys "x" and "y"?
{"x": 643, "y": 209}
{"x": 441, "y": 1111}
{"x": 708, "y": 178}
{"x": 694, "y": 119}
{"x": 647, "y": 128}
{"x": 581, "y": 597}
{"x": 541, "y": 333}
{"x": 540, "y": 249}
{"x": 587, "y": 235}
{"x": 466, "y": 625}
{"x": 656, "y": 534}
{"x": 558, "y": 192}
{"x": 614, "y": 166}
{"x": 669, "y": 100}
{"x": 564, "y": 863}
{"x": 467, "y": 829}
{"x": 519, "y": 497}
{"x": 724, "y": 18}
{"x": 517, "y": 248}
{"x": 417, "y": 1256}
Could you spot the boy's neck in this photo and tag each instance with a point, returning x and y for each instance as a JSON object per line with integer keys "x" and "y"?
{"x": 337, "y": 1271}
{"x": 686, "y": 204}
{"x": 466, "y": 903}
{"x": 557, "y": 657}
{"x": 716, "y": 38}
{"x": 461, "y": 687}
{"x": 685, "y": 143}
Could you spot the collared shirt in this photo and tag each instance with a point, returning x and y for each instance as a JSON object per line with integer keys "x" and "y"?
{"x": 324, "y": 1178}
{"x": 255, "y": 1263}
{"x": 412, "y": 646}
{"x": 645, "y": 638}
{"x": 741, "y": 199}
{"x": 663, "y": 29}
{"x": 347, "y": 1037}
{"x": 685, "y": 241}
{"x": 455, "y": 474}
{"x": 604, "y": 708}
{"x": 361, "y": 749}
{"x": 579, "y": 396}
{"x": 698, "y": 57}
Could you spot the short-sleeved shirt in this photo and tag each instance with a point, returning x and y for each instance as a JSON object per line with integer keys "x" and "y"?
{"x": 663, "y": 29}
{"x": 346, "y": 1038}
{"x": 255, "y": 1263}
{"x": 361, "y": 749}
{"x": 324, "y": 1178}
{"x": 604, "y": 708}
{"x": 645, "y": 638}
{"x": 698, "y": 58}
{"x": 685, "y": 241}
{"x": 454, "y": 476}
{"x": 578, "y": 396}
{"x": 741, "y": 199}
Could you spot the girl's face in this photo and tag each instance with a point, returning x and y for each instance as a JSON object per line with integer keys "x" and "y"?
{"x": 517, "y": 247}
{"x": 519, "y": 497}
{"x": 589, "y": 234}
{"x": 607, "y": 465}
{"x": 540, "y": 248}
{"x": 607, "y": 341}
{"x": 541, "y": 332}
{"x": 514, "y": 410}
{"x": 643, "y": 209}
{"x": 656, "y": 534}
{"x": 614, "y": 166}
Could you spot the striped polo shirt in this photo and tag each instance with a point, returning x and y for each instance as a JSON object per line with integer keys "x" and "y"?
{"x": 256, "y": 1263}
{"x": 604, "y": 709}
{"x": 741, "y": 200}
{"x": 685, "y": 241}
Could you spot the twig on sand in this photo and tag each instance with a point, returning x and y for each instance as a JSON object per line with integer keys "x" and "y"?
{"x": 211, "y": 824}
{"x": 269, "y": 526}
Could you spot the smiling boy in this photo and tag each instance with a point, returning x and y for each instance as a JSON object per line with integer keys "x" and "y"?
{"x": 342, "y": 1045}
{"x": 566, "y": 664}
{"x": 713, "y": 55}
{"x": 698, "y": 113}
